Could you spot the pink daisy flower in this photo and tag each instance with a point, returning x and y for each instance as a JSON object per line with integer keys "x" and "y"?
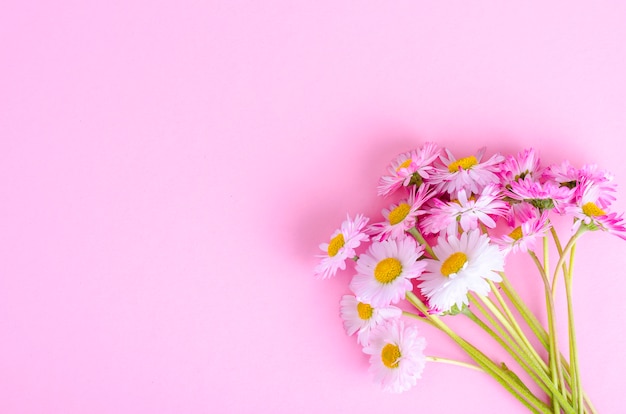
{"x": 520, "y": 212}
{"x": 568, "y": 176}
{"x": 588, "y": 213}
{"x": 523, "y": 237}
{"x": 600, "y": 178}
{"x": 360, "y": 318}
{"x": 468, "y": 173}
{"x": 409, "y": 168}
{"x": 400, "y": 217}
{"x": 342, "y": 245}
{"x": 544, "y": 196}
{"x": 384, "y": 273}
{"x": 397, "y": 357}
{"x": 564, "y": 174}
{"x": 524, "y": 164}
{"x": 464, "y": 264}
{"x": 466, "y": 212}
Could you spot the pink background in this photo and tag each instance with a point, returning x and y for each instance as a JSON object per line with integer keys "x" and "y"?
{"x": 167, "y": 170}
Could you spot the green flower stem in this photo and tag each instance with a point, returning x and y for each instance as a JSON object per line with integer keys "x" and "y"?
{"x": 577, "y": 396}
{"x": 516, "y": 335}
{"x": 516, "y": 328}
{"x": 421, "y": 240}
{"x": 537, "y": 329}
{"x": 559, "y": 249}
{"x": 454, "y": 362}
{"x": 527, "y": 363}
{"x": 418, "y": 317}
{"x": 552, "y": 312}
{"x": 563, "y": 255}
{"x": 411, "y": 315}
{"x": 555, "y": 367}
{"x": 574, "y": 371}
{"x": 511, "y": 384}
{"x": 557, "y": 241}
{"x": 592, "y": 408}
{"x": 523, "y": 310}
{"x": 505, "y": 340}
{"x": 537, "y": 369}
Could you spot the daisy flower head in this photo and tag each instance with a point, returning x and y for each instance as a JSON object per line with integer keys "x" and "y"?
{"x": 469, "y": 173}
{"x": 515, "y": 167}
{"x": 602, "y": 179}
{"x": 400, "y": 217}
{"x": 384, "y": 273}
{"x": 588, "y": 213}
{"x": 397, "y": 357}
{"x": 523, "y": 237}
{"x": 409, "y": 168}
{"x": 521, "y": 212}
{"x": 466, "y": 212}
{"x": 563, "y": 174}
{"x": 360, "y": 318}
{"x": 464, "y": 265}
{"x": 544, "y": 196}
{"x": 342, "y": 245}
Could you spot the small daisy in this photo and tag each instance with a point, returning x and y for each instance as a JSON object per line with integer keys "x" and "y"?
{"x": 524, "y": 164}
{"x": 544, "y": 196}
{"x": 400, "y": 217}
{"x": 600, "y": 178}
{"x": 359, "y": 317}
{"x": 409, "y": 168}
{"x": 523, "y": 237}
{"x": 464, "y": 264}
{"x": 566, "y": 175}
{"x": 467, "y": 173}
{"x": 384, "y": 273}
{"x": 466, "y": 212}
{"x": 397, "y": 357}
{"x": 587, "y": 211}
{"x": 521, "y": 212}
{"x": 342, "y": 244}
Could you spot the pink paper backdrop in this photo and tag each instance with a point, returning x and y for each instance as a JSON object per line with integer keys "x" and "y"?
{"x": 167, "y": 170}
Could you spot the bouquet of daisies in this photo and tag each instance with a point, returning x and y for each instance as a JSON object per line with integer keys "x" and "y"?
{"x": 441, "y": 250}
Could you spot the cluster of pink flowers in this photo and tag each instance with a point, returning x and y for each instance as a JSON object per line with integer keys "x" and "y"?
{"x": 456, "y": 204}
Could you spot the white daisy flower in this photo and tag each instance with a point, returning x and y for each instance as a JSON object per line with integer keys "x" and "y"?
{"x": 400, "y": 217}
{"x": 396, "y": 355}
{"x": 469, "y": 173}
{"x": 360, "y": 318}
{"x": 464, "y": 265}
{"x": 342, "y": 245}
{"x": 384, "y": 273}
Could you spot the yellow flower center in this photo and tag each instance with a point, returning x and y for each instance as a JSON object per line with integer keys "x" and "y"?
{"x": 365, "y": 311}
{"x": 453, "y": 264}
{"x": 387, "y": 270}
{"x": 390, "y": 355}
{"x": 464, "y": 163}
{"x": 592, "y": 210}
{"x": 516, "y": 234}
{"x": 399, "y": 213}
{"x": 405, "y": 164}
{"x": 335, "y": 244}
